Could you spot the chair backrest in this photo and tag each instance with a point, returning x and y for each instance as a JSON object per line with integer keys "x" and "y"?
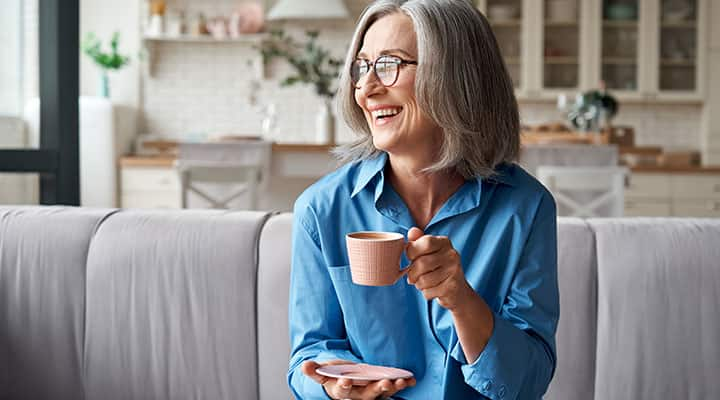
{"x": 586, "y": 191}
{"x": 240, "y": 168}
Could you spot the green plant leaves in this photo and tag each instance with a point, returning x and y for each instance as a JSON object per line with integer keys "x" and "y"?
{"x": 92, "y": 47}
{"x": 312, "y": 63}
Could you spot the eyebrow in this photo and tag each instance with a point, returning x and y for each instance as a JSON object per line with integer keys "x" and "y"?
{"x": 388, "y": 52}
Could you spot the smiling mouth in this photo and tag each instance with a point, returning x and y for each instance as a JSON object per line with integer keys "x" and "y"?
{"x": 384, "y": 116}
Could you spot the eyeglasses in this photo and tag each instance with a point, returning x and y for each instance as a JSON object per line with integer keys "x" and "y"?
{"x": 386, "y": 69}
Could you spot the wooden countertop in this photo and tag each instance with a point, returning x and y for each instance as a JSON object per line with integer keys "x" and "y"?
{"x": 167, "y": 160}
{"x": 669, "y": 169}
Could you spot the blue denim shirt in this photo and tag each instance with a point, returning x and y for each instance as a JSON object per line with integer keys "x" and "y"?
{"x": 504, "y": 228}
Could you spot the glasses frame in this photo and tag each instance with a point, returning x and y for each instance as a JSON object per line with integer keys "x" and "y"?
{"x": 371, "y": 65}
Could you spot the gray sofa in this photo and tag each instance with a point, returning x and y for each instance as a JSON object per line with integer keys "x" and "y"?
{"x": 123, "y": 304}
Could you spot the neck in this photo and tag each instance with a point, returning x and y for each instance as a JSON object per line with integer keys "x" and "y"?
{"x": 423, "y": 193}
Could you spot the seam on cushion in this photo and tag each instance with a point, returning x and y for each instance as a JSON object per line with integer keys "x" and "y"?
{"x": 95, "y": 230}
{"x": 256, "y": 263}
{"x": 596, "y": 282}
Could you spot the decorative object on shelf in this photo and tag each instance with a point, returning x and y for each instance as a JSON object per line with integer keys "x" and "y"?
{"x": 218, "y": 27}
{"x": 176, "y": 25}
{"x": 592, "y": 110}
{"x": 308, "y": 9}
{"x": 198, "y": 25}
{"x": 247, "y": 18}
{"x": 106, "y": 61}
{"x": 269, "y": 121}
{"x": 156, "y": 24}
{"x": 313, "y": 65}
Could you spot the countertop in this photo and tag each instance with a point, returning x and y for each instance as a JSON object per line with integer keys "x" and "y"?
{"x": 167, "y": 160}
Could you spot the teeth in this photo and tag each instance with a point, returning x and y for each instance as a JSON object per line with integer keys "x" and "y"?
{"x": 385, "y": 112}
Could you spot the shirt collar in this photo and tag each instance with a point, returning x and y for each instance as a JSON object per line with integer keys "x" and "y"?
{"x": 504, "y": 173}
{"x": 372, "y": 167}
{"x": 368, "y": 170}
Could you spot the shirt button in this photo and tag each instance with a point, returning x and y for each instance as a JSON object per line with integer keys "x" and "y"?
{"x": 487, "y": 385}
{"x": 501, "y": 392}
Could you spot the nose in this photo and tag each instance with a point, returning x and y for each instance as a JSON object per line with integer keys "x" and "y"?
{"x": 370, "y": 84}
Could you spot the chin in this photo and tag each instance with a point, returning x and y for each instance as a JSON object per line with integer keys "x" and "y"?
{"x": 383, "y": 140}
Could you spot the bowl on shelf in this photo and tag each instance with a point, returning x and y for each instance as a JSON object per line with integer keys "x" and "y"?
{"x": 621, "y": 12}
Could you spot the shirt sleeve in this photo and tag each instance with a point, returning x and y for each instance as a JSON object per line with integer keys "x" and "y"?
{"x": 317, "y": 330}
{"x": 519, "y": 360}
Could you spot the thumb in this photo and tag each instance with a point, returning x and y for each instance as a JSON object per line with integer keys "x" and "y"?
{"x": 414, "y": 234}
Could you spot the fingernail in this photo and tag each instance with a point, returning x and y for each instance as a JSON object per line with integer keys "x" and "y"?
{"x": 346, "y": 386}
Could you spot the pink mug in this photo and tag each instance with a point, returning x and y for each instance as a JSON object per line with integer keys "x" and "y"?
{"x": 375, "y": 257}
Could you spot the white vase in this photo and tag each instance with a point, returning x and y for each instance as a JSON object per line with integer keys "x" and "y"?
{"x": 325, "y": 123}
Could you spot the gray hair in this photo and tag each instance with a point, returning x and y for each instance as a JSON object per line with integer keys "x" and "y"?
{"x": 462, "y": 84}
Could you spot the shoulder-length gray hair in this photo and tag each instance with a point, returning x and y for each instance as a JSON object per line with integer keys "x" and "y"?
{"x": 462, "y": 84}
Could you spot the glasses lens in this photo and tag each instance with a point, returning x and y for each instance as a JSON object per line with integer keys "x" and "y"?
{"x": 358, "y": 70}
{"x": 386, "y": 69}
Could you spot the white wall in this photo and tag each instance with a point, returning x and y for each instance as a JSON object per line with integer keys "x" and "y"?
{"x": 10, "y": 72}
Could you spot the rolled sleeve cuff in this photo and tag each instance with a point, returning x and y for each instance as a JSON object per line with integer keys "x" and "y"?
{"x": 498, "y": 372}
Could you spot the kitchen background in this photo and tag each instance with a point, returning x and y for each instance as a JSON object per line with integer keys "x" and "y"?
{"x": 194, "y": 90}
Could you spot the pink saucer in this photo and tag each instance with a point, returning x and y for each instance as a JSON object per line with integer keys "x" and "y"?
{"x": 362, "y": 374}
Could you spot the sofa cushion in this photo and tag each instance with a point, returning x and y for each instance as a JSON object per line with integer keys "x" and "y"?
{"x": 577, "y": 279}
{"x": 658, "y": 309}
{"x": 273, "y": 298}
{"x": 42, "y": 300}
{"x": 171, "y": 306}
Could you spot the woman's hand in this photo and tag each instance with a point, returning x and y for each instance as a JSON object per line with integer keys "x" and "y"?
{"x": 436, "y": 271}
{"x": 343, "y": 388}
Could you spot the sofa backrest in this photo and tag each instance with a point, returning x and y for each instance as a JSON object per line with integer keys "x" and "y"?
{"x": 42, "y": 300}
{"x": 658, "y": 327}
{"x": 577, "y": 280}
{"x": 171, "y": 306}
{"x": 109, "y": 304}
{"x": 273, "y": 298}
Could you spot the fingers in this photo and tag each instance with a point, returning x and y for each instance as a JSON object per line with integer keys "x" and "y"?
{"x": 425, "y": 245}
{"x": 414, "y": 234}
{"x": 424, "y": 265}
{"x": 309, "y": 369}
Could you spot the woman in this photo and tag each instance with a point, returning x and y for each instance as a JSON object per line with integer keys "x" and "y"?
{"x": 426, "y": 88}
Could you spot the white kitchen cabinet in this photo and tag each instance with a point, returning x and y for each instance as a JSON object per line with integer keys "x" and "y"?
{"x": 150, "y": 187}
{"x": 644, "y": 50}
{"x": 673, "y": 194}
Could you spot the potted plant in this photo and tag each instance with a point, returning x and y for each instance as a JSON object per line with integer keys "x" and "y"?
{"x": 107, "y": 61}
{"x": 312, "y": 64}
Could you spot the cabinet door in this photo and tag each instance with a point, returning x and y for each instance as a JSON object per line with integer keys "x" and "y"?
{"x": 677, "y": 49}
{"x": 506, "y": 18}
{"x": 561, "y": 35}
{"x": 621, "y": 56}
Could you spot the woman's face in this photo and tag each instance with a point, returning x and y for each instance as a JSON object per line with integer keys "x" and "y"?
{"x": 396, "y": 122}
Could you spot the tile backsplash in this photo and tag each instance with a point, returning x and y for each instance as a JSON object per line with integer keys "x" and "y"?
{"x": 203, "y": 89}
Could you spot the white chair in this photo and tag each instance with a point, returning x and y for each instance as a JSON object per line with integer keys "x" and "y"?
{"x": 586, "y": 191}
{"x": 240, "y": 168}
